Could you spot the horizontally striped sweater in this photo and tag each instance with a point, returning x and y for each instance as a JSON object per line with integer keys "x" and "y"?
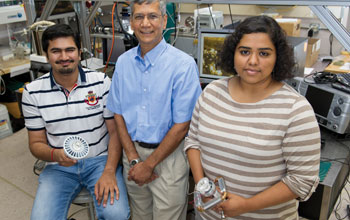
{"x": 255, "y": 145}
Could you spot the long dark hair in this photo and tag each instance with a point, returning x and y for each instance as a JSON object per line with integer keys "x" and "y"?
{"x": 284, "y": 65}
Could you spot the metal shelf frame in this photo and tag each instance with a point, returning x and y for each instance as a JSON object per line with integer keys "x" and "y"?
{"x": 268, "y": 2}
{"x": 318, "y": 7}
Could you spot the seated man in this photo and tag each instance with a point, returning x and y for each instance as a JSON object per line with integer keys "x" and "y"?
{"x": 71, "y": 101}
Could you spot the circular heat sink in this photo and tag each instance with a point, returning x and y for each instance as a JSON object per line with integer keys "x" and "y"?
{"x": 75, "y": 147}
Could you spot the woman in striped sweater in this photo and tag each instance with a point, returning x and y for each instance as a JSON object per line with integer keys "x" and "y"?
{"x": 255, "y": 131}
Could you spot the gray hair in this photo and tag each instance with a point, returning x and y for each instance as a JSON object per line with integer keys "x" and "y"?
{"x": 162, "y": 4}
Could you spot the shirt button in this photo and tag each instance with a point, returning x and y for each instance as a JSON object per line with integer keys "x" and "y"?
{"x": 143, "y": 107}
{"x": 145, "y": 90}
{"x": 146, "y": 72}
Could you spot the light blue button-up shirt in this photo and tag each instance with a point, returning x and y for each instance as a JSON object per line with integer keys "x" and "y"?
{"x": 154, "y": 92}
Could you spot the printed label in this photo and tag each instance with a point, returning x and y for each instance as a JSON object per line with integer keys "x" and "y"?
{"x": 4, "y": 125}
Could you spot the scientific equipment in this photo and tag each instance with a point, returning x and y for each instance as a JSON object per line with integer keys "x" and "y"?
{"x": 207, "y": 188}
{"x": 14, "y": 40}
{"x": 211, "y": 19}
{"x": 11, "y": 14}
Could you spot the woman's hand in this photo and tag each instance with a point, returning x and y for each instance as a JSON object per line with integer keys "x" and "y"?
{"x": 233, "y": 205}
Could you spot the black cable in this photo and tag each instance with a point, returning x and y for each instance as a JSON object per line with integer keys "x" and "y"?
{"x": 78, "y": 26}
{"x": 347, "y": 162}
{"x": 334, "y": 160}
{"x": 336, "y": 209}
{"x": 310, "y": 32}
{"x": 330, "y": 44}
{"x": 337, "y": 215}
{"x": 229, "y": 7}
{"x": 211, "y": 15}
{"x": 31, "y": 40}
{"x": 127, "y": 35}
{"x": 197, "y": 26}
{"x": 175, "y": 19}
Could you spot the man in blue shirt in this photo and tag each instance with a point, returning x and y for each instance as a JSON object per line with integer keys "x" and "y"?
{"x": 154, "y": 90}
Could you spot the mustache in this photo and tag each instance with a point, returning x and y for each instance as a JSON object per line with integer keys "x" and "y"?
{"x": 64, "y": 61}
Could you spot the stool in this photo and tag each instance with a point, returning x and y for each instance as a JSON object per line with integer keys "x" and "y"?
{"x": 84, "y": 197}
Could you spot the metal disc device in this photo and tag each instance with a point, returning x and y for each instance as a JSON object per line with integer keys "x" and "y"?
{"x": 75, "y": 147}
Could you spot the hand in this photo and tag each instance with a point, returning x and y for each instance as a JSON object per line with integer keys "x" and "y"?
{"x": 62, "y": 159}
{"x": 141, "y": 174}
{"x": 106, "y": 185}
{"x": 234, "y": 205}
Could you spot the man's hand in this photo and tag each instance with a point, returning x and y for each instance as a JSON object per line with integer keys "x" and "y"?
{"x": 141, "y": 174}
{"x": 62, "y": 159}
{"x": 106, "y": 185}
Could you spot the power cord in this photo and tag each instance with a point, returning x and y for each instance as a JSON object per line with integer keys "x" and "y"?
{"x": 211, "y": 15}
{"x": 113, "y": 36}
{"x": 331, "y": 44}
{"x": 2, "y": 84}
{"x": 229, "y": 7}
{"x": 324, "y": 77}
{"x": 343, "y": 186}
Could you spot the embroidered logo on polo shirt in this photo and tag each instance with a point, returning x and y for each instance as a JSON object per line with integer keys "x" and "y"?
{"x": 91, "y": 98}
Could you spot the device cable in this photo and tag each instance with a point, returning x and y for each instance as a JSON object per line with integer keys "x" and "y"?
{"x": 168, "y": 29}
{"x": 339, "y": 206}
{"x": 94, "y": 40}
{"x": 113, "y": 35}
{"x": 99, "y": 21}
{"x": 229, "y": 7}
{"x": 127, "y": 35}
{"x": 175, "y": 22}
{"x": 346, "y": 162}
{"x": 331, "y": 44}
{"x": 2, "y": 85}
{"x": 177, "y": 34}
{"x": 211, "y": 15}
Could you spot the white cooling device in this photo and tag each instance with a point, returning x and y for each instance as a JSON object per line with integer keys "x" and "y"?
{"x": 75, "y": 147}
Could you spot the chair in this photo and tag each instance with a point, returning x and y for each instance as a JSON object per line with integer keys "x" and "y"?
{"x": 83, "y": 198}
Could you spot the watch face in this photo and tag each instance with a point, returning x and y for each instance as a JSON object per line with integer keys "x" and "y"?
{"x": 133, "y": 163}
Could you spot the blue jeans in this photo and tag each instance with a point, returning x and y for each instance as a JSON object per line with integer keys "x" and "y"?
{"x": 59, "y": 185}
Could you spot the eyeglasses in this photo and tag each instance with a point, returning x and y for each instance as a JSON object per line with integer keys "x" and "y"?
{"x": 152, "y": 17}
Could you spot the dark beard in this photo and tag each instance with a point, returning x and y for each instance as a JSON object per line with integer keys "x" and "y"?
{"x": 65, "y": 71}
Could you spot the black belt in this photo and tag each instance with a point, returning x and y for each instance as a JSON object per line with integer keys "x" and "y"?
{"x": 146, "y": 145}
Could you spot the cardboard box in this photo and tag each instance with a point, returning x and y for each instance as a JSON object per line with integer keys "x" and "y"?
{"x": 313, "y": 49}
{"x": 290, "y": 25}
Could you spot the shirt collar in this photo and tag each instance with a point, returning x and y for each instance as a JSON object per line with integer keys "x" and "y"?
{"x": 81, "y": 77}
{"x": 152, "y": 55}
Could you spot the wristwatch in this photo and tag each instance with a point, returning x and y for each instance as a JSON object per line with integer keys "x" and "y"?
{"x": 134, "y": 162}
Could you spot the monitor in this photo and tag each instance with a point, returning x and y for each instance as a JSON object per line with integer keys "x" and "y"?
{"x": 210, "y": 42}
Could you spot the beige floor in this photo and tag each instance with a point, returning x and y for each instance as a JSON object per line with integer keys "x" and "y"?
{"x": 18, "y": 182}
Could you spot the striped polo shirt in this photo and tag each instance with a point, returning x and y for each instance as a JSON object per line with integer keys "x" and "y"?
{"x": 255, "y": 145}
{"x": 82, "y": 112}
